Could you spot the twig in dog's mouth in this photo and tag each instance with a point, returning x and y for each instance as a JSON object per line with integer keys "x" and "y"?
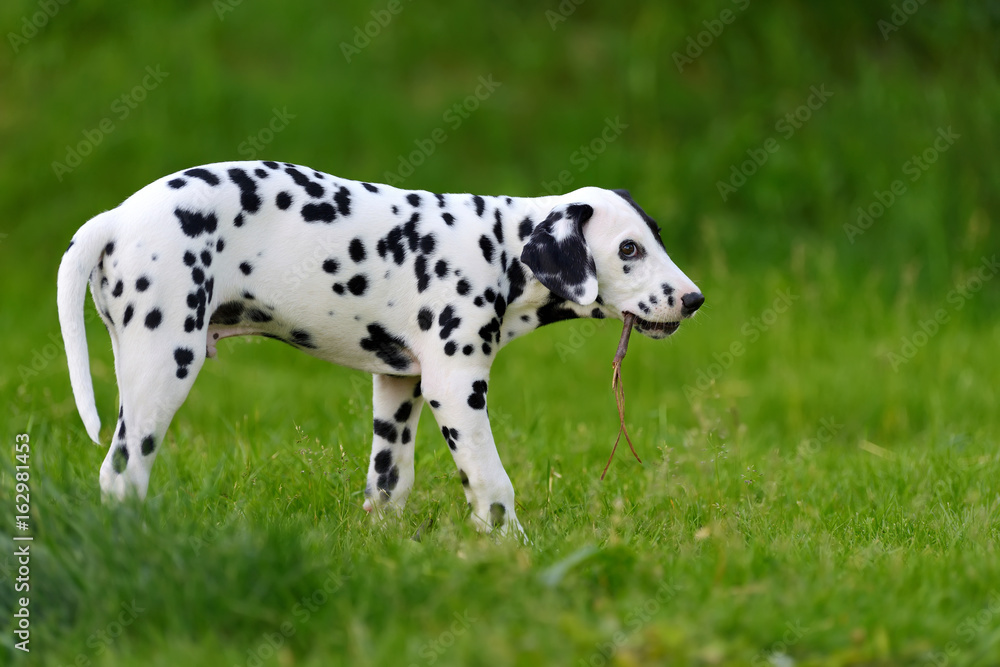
{"x": 619, "y": 389}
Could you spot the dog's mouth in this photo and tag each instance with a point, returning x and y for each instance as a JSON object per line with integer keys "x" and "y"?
{"x": 655, "y": 329}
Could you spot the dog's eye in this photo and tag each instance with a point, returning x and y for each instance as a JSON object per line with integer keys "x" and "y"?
{"x": 628, "y": 249}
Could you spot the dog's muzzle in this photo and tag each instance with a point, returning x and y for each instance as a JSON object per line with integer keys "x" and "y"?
{"x": 655, "y": 329}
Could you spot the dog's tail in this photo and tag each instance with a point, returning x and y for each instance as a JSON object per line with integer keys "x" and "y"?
{"x": 77, "y": 264}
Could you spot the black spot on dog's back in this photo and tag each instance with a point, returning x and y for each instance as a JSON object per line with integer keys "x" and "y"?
{"x": 356, "y": 249}
{"x": 448, "y": 322}
{"x": 420, "y": 270}
{"x": 425, "y": 318}
{"x": 311, "y": 188}
{"x": 324, "y": 212}
{"x": 343, "y": 201}
{"x": 153, "y": 318}
{"x": 486, "y": 245}
{"x": 498, "y": 226}
{"x": 357, "y": 284}
{"x": 249, "y": 199}
{"x": 203, "y": 174}
{"x": 427, "y": 244}
{"x": 194, "y": 224}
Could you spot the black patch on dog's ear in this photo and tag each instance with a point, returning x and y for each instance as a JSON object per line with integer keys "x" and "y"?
{"x": 558, "y": 255}
{"x": 653, "y": 227}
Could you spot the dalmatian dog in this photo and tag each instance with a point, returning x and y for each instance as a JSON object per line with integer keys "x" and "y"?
{"x": 419, "y": 289}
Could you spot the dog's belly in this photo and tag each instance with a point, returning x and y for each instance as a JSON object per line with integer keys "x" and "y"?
{"x": 345, "y": 339}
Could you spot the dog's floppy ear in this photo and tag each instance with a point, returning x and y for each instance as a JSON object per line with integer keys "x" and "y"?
{"x": 558, "y": 255}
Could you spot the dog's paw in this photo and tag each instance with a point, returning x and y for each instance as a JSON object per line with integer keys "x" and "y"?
{"x": 383, "y": 510}
{"x": 501, "y": 523}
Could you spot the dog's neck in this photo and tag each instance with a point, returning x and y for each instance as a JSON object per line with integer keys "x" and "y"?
{"x": 535, "y": 301}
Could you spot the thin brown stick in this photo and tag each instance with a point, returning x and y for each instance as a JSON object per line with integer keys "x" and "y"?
{"x": 619, "y": 389}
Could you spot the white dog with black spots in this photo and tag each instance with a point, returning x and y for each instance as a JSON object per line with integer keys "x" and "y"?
{"x": 419, "y": 289}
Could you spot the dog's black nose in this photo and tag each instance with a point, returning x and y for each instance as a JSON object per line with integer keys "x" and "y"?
{"x": 692, "y": 301}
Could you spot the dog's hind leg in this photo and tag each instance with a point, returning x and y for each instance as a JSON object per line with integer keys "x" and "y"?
{"x": 155, "y": 373}
{"x": 396, "y": 403}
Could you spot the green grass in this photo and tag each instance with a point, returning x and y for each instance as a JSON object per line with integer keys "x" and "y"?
{"x": 786, "y": 496}
{"x": 814, "y": 491}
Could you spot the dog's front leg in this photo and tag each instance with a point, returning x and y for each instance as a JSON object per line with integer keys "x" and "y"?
{"x": 396, "y": 404}
{"x": 458, "y": 398}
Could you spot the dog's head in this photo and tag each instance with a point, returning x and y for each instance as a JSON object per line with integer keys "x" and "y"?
{"x": 599, "y": 245}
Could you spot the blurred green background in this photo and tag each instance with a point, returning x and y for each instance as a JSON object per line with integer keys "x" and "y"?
{"x": 813, "y": 114}
{"x": 226, "y": 67}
